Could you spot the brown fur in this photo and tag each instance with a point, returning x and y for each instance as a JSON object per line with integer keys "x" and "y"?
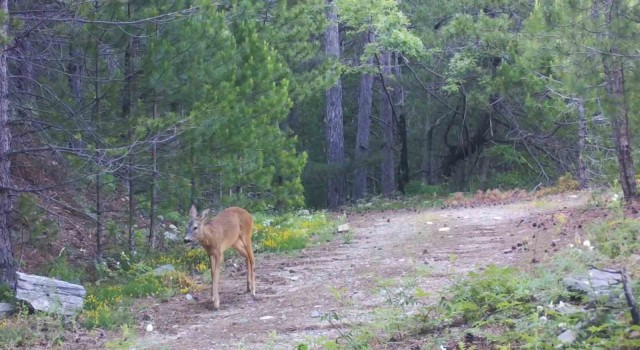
{"x": 231, "y": 228}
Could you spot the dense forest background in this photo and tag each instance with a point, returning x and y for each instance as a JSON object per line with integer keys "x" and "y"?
{"x": 142, "y": 107}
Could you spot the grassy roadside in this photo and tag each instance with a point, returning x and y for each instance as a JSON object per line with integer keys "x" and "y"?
{"x": 114, "y": 285}
{"x": 513, "y": 308}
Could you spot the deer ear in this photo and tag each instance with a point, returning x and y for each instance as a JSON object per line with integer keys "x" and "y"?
{"x": 204, "y": 213}
{"x": 193, "y": 212}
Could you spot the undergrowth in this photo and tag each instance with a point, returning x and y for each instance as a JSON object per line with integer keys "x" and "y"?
{"x": 114, "y": 284}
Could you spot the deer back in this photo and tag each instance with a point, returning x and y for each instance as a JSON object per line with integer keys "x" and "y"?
{"x": 226, "y": 228}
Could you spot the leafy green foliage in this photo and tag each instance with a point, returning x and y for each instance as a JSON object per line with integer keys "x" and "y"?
{"x": 615, "y": 238}
{"x": 417, "y": 187}
{"x": 108, "y": 305}
{"x": 34, "y": 223}
{"x": 63, "y": 269}
{"x": 25, "y": 331}
{"x": 495, "y": 292}
{"x": 289, "y": 232}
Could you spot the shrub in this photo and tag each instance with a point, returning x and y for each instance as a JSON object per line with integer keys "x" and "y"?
{"x": 417, "y": 187}
{"x": 108, "y": 306}
{"x": 61, "y": 269}
{"x": 289, "y": 231}
{"x": 614, "y": 238}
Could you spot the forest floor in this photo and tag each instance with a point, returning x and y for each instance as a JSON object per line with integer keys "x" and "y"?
{"x": 296, "y": 291}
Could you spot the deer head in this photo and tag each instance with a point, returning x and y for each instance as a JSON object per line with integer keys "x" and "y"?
{"x": 194, "y": 229}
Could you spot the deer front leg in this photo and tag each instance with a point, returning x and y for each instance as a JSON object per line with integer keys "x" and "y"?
{"x": 216, "y": 266}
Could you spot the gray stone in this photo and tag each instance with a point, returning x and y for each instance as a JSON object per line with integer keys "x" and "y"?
{"x": 171, "y": 236}
{"x": 343, "y": 228}
{"x": 569, "y": 309}
{"x": 303, "y": 212}
{"x": 599, "y": 286}
{"x": 49, "y": 295}
{"x": 161, "y": 270}
{"x": 315, "y": 314}
{"x": 6, "y": 310}
{"x": 567, "y": 337}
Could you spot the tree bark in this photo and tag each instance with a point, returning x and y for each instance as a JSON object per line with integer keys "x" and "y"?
{"x": 98, "y": 172}
{"x": 7, "y": 265}
{"x": 617, "y": 100}
{"x": 336, "y": 188}
{"x": 614, "y": 82}
{"x": 386, "y": 124}
{"x": 127, "y": 106}
{"x": 154, "y": 177}
{"x": 365, "y": 100}
{"x": 74, "y": 69}
{"x": 398, "y": 97}
{"x": 582, "y": 136}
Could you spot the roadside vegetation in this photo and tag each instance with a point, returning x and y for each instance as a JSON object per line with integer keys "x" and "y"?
{"x": 530, "y": 306}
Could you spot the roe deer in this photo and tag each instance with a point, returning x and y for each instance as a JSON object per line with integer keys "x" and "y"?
{"x": 230, "y": 228}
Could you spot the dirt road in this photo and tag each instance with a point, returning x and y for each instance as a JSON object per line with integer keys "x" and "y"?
{"x": 295, "y": 291}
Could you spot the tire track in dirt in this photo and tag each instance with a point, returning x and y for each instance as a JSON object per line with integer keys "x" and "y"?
{"x": 294, "y": 291}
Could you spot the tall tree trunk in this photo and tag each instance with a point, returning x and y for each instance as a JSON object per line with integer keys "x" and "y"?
{"x": 336, "y": 188}
{"x": 98, "y": 171}
{"x": 127, "y": 106}
{"x": 614, "y": 82}
{"x": 617, "y": 102}
{"x": 582, "y": 136}
{"x": 154, "y": 176}
{"x": 398, "y": 96}
{"x": 7, "y": 265}
{"x": 74, "y": 69}
{"x": 154, "y": 172}
{"x": 386, "y": 124}
{"x": 365, "y": 100}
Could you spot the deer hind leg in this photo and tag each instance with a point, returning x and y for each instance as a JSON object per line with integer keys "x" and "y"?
{"x": 251, "y": 264}
{"x": 216, "y": 266}
{"x": 241, "y": 248}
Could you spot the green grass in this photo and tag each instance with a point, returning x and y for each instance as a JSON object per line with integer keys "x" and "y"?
{"x": 288, "y": 232}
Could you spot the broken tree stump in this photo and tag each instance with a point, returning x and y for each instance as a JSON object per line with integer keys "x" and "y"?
{"x": 49, "y": 295}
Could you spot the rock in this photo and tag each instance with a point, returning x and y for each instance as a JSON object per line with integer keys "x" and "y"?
{"x": 444, "y": 229}
{"x": 343, "y": 228}
{"x": 599, "y": 286}
{"x": 171, "y": 236}
{"x": 567, "y": 337}
{"x": 49, "y": 295}
{"x": 429, "y": 223}
{"x": 568, "y": 309}
{"x": 6, "y": 310}
{"x": 173, "y": 228}
{"x": 263, "y": 318}
{"x": 303, "y": 212}
{"x": 315, "y": 314}
{"x": 189, "y": 297}
{"x": 149, "y": 327}
{"x": 160, "y": 218}
{"x": 161, "y": 270}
